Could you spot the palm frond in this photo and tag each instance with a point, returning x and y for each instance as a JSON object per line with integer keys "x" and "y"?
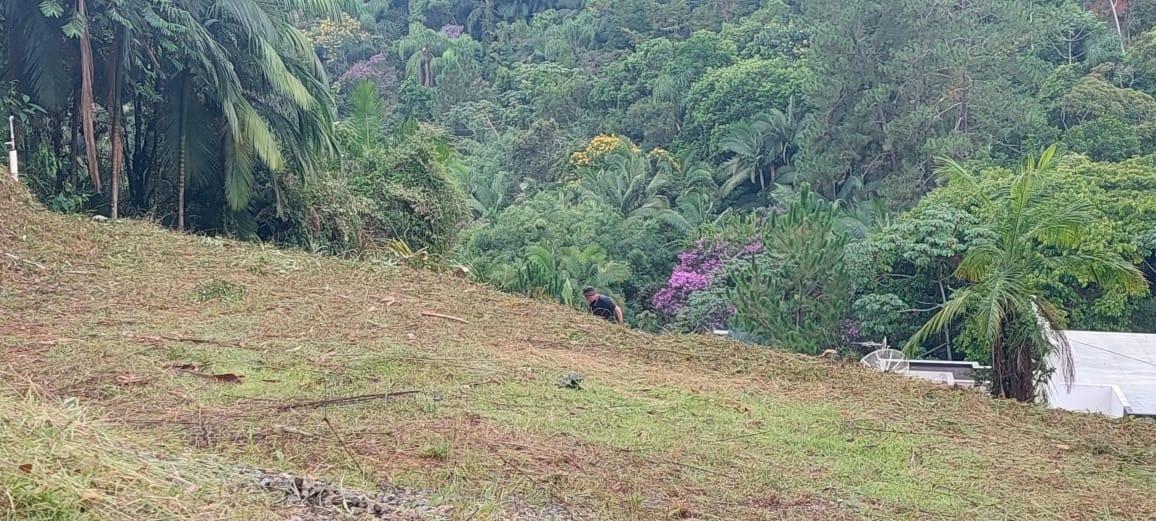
{"x": 947, "y": 315}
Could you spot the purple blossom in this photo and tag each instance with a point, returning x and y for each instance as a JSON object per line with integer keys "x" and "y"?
{"x": 372, "y": 69}
{"x": 452, "y": 31}
{"x": 849, "y": 331}
{"x": 751, "y": 249}
{"x": 697, "y": 270}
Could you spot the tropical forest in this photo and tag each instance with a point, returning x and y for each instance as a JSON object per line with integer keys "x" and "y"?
{"x": 959, "y": 180}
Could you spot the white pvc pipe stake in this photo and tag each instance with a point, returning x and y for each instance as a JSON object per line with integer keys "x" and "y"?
{"x": 13, "y": 159}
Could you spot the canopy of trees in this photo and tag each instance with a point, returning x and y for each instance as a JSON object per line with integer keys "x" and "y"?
{"x": 776, "y": 167}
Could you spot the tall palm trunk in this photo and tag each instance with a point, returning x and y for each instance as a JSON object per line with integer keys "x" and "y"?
{"x": 86, "y": 101}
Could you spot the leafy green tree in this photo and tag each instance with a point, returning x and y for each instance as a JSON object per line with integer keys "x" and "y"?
{"x": 728, "y": 96}
{"x": 899, "y": 82}
{"x": 1016, "y": 326}
{"x": 796, "y": 293}
{"x": 771, "y": 32}
{"x": 914, "y": 261}
{"x": 1105, "y": 139}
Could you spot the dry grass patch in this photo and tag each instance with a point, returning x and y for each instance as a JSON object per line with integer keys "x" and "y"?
{"x": 253, "y": 353}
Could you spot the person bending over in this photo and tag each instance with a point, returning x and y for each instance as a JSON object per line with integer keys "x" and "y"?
{"x": 603, "y": 306}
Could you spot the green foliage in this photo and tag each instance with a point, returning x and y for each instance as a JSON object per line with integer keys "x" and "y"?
{"x": 1036, "y": 232}
{"x": 730, "y": 95}
{"x": 770, "y": 32}
{"x": 762, "y": 151}
{"x": 879, "y": 315}
{"x": 630, "y": 183}
{"x": 795, "y": 294}
{"x": 401, "y": 190}
{"x": 1094, "y": 97}
{"x": 897, "y": 85}
{"x": 1105, "y": 139}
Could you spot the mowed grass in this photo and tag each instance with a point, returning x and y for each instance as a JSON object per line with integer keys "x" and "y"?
{"x": 230, "y": 351}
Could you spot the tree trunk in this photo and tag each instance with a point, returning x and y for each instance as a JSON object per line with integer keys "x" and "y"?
{"x": 1116, "y": 17}
{"x": 999, "y": 374}
{"x": 86, "y": 101}
{"x": 946, "y": 330}
{"x": 135, "y": 164}
{"x": 115, "y": 109}
{"x": 181, "y": 183}
{"x": 425, "y": 73}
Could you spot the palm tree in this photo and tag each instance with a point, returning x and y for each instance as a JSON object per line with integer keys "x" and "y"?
{"x": 261, "y": 86}
{"x": 429, "y": 55}
{"x": 629, "y": 183}
{"x": 237, "y": 87}
{"x": 561, "y": 273}
{"x": 362, "y": 130}
{"x": 482, "y": 18}
{"x": 761, "y": 151}
{"x": 1004, "y": 305}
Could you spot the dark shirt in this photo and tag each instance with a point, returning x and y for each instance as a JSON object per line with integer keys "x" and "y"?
{"x": 603, "y": 307}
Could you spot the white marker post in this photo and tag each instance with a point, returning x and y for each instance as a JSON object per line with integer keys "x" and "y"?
{"x": 13, "y": 161}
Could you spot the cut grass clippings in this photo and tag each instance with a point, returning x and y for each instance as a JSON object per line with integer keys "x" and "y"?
{"x": 132, "y": 321}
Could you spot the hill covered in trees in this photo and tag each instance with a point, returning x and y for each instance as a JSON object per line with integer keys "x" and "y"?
{"x": 809, "y": 175}
{"x": 147, "y": 374}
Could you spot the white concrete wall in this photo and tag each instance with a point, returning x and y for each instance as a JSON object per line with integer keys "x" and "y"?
{"x": 1094, "y": 398}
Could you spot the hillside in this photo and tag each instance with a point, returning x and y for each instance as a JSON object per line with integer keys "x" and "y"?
{"x": 144, "y": 369}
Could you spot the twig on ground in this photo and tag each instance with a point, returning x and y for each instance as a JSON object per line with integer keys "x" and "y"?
{"x": 731, "y": 438}
{"x": 344, "y": 447}
{"x": 187, "y": 340}
{"x": 518, "y": 469}
{"x": 447, "y": 317}
{"x": 26, "y": 261}
{"x": 345, "y": 401}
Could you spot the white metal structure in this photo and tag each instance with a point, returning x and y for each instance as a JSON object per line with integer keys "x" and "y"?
{"x": 887, "y": 361}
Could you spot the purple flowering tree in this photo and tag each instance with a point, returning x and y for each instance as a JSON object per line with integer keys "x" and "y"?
{"x": 452, "y": 31}
{"x": 698, "y": 270}
{"x": 375, "y": 69}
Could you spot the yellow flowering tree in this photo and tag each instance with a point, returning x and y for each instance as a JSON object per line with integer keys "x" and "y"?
{"x": 335, "y": 34}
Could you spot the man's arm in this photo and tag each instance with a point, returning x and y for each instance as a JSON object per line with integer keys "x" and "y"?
{"x": 618, "y": 313}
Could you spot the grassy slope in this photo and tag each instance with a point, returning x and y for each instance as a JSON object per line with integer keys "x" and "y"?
{"x": 672, "y": 426}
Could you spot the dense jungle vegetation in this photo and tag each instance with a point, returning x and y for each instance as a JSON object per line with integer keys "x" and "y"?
{"x": 945, "y": 175}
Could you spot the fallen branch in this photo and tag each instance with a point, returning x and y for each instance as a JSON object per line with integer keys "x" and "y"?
{"x": 184, "y": 339}
{"x": 447, "y": 317}
{"x": 345, "y": 401}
